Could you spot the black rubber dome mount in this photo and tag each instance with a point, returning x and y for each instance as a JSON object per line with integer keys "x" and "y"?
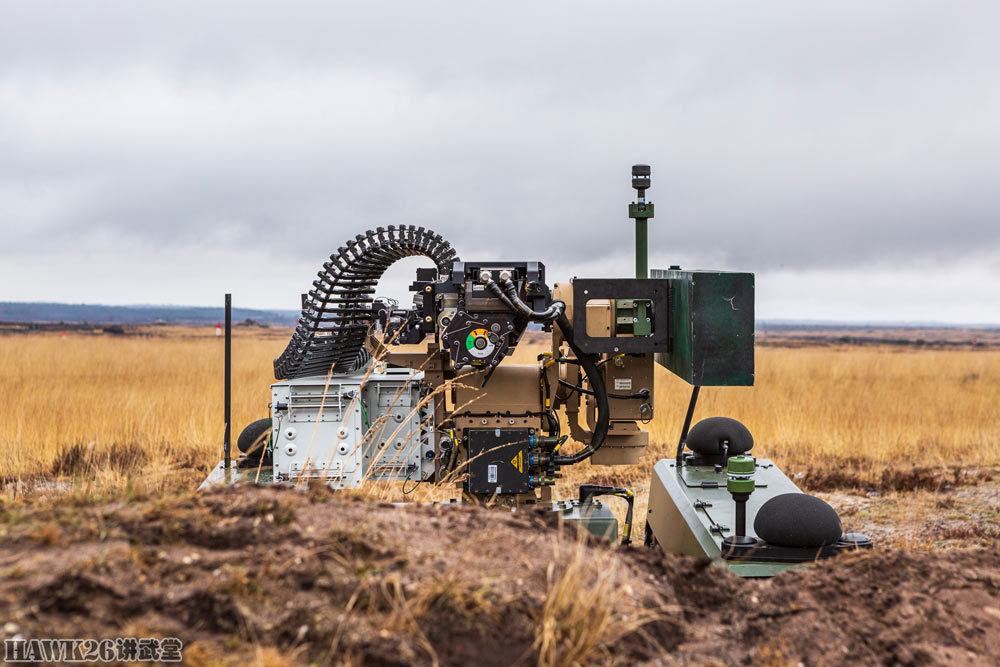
{"x": 251, "y": 434}
{"x": 797, "y": 520}
{"x": 708, "y": 437}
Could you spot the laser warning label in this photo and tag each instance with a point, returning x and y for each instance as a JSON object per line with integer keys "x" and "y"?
{"x": 518, "y": 461}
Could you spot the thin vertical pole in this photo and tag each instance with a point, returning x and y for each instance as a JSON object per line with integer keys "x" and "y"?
{"x": 229, "y": 380}
{"x": 687, "y": 425}
{"x": 641, "y": 256}
{"x": 741, "y": 515}
{"x": 641, "y": 211}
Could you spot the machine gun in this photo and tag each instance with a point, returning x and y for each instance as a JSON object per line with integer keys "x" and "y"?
{"x": 370, "y": 391}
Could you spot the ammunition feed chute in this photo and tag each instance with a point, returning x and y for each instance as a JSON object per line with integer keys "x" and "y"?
{"x": 337, "y": 312}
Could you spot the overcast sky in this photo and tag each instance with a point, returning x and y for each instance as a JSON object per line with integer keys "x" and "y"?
{"x": 847, "y": 153}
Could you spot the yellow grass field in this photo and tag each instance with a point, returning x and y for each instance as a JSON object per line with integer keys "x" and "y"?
{"x": 156, "y": 402}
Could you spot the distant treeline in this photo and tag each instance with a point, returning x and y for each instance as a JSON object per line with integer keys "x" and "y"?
{"x": 39, "y": 312}
{"x": 97, "y": 314}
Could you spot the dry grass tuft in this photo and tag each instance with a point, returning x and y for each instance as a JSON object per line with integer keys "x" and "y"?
{"x": 846, "y": 475}
{"x": 87, "y": 459}
{"x": 586, "y": 611}
{"x": 199, "y": 655}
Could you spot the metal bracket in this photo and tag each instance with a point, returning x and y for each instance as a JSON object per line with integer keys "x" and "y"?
{"x": 702, "y": 485}
{"x": 656, "y": 291}
{"x": 646, "y": 211}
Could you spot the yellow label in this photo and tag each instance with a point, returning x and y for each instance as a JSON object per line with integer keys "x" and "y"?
{"x": 518, "y": 462}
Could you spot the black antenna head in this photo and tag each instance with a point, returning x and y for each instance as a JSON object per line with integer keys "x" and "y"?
{"x": 640, "y": 176}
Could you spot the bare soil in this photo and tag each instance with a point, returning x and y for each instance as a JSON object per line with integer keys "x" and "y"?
{"x": 310, "y": 576}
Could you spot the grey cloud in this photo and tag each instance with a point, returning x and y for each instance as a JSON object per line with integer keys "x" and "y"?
{"x": 782, "y": 135}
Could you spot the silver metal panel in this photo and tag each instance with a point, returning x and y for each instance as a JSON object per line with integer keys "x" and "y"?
{"x": 321, "y": 429}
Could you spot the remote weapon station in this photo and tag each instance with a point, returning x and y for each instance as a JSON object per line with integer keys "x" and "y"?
{"x": 371, "y": 391}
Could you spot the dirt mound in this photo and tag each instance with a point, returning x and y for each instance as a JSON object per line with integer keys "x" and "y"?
{"x": 310, "y": 576}
{"x": 888, "y": 608}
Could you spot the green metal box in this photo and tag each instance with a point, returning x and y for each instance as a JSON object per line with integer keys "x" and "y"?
{"x": 711, "y": 327}
{"x": 595, "y": 516}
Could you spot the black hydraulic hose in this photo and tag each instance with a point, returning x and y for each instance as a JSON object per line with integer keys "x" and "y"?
{"x": 554, "y": 428}
{"x": 600, "y": 394}
{"x": 687, "y": 425}
{"x": 551, "y": 313}
{"x": 492, "y": 286}
{"x": 507, "y": 293}
{"x": 641, "y": 394}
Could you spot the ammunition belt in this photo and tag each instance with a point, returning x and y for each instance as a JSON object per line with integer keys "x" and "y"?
{"x": 338, "y": 312}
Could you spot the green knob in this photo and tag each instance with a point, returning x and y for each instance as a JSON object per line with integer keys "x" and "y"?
{"x": 739, "y": 472}
{"x": 734, "y": 485}
{"x": 740, "y": 465}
